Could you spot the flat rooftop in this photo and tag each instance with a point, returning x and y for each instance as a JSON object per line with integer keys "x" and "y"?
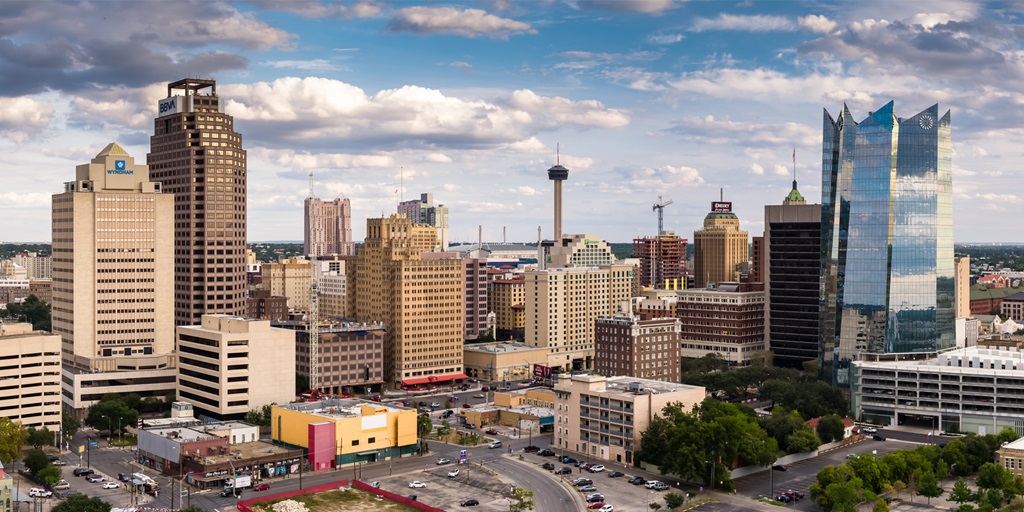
{"x": 182, "y": 435}
{"x": 969, "y": 359}
{"x": 626, "y": 385}
{"x": 500, "y": 347}
{"x": 337, "y": 408}
{"x": 170, "y": 422}
{"x": 243, "y": 451}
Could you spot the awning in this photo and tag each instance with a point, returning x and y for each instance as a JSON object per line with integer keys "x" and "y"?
{"x": 433, "y": 378}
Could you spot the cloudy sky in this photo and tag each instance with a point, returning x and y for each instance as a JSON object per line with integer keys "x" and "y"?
{"x": 646, "y": 98}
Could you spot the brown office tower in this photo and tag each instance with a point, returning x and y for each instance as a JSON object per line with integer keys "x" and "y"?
{"x": 329, "y": 230}
{"x": 196, "y": 155}
{"x": 662, "y": 261}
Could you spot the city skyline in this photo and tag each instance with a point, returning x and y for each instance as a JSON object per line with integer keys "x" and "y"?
{"x": 381, "y": 101}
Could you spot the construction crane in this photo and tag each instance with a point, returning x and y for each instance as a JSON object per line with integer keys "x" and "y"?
{"x": 660, "y": 208}
{"x": 313, "y": 318}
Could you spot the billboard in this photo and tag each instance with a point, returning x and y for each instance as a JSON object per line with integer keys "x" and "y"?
{"x": 721, "y": 206}
{"x": 541, "y": 372}
{"x": 173, "y": 105}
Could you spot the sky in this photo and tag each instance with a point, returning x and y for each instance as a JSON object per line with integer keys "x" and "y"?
{"x": 474, "y": 101}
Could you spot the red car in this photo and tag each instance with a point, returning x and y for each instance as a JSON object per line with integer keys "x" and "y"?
{"x": 466, "y": 406}
{"x": 261, "y": 487}
{"x": 596, "y": 505}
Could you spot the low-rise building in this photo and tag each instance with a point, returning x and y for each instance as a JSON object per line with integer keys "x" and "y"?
{"x": 31, "y": 393}
{"x": 1011, "y": 456}
{"x": 626, "y": 345}
{"x": 971, "y": 390}
{"x": 340, "y": 432}
{"x": 604, "y": 417}
{"x": 502, "y": 361}
{"x": 1013, "y": 307}
{"x": 263, "y": 306}
{"x": 228, "y": 366}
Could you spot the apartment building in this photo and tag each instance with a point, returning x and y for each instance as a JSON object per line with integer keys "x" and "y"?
{"x": 328, "y": 228}
{"x": 604, "y": 417}
{"x": 289, "y": 278}
{"x": 630, "y": 346}
{"x": 30, "y": 360}
{"x": 727, "y": 320}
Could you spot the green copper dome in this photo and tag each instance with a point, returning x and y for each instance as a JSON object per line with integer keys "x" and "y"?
{"x": 794, "y": 195}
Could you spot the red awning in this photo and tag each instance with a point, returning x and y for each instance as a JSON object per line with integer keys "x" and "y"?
{"x": 433, "y": 378}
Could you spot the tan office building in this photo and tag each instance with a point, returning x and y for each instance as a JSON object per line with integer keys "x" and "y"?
{"x": 962, "y": 279}
{"x": 229, "y": 366}
{"x": 417, "y": 294}
{"x": 604, "y": 417}
{"x": 562, "y": 305}
{"x": 32, "y": 360}
{"x": 329, "y": 230}
{"x": 288, "y": 278}
{"x": 197, "y": 155}
{"x": 720, "y": 248}
{"x": 113, "y": 281}
{"x": 506, "y": 298}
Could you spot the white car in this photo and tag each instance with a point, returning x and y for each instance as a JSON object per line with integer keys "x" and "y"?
{"x": 39, "y": 492}
{"x": 110, "y": 485}
{"x": 453, "y": 473}
{"x": 596, "y": 469}
{"x": 870, "y": 430}
{"x": 442, "y": 461}
{"x": 606, "y": 508}
{"x": 417, "y": 484}
{"x": 651, "y": 484}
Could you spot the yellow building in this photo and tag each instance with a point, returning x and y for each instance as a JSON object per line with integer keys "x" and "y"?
{"x": 720, "y": 248}
{"x": 531, "y": 408}
{"x": 562, "y": 305}
{"x": 288, "y": 278}
{"x": 339, "y": 432}
{"x": 502, "y": 361}
{"x": 417, "y": 294}
{"x": 506, "y": 298}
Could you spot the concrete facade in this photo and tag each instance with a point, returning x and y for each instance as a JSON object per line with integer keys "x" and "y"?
{"x": 329, "y": 230}
{"x": 604, "y": 417}
{"x": 289, "y": 278}
{"x": 720, "y": 248}
{"x": 351, "y": 356}
{"x": 502, "y": 361}
{"x": 630, "y": 346}
{"x": 962, "y": 276}
{"x": 229, "y": 366}
{"x": 30, "y": 359}
{"x": 474, "y": 297}
{"x": 113, "y": 280}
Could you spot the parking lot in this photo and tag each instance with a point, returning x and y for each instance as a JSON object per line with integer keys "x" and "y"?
{"x": 442, "y": 491}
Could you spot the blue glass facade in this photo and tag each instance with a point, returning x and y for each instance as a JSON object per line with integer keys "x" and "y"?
{"x": 886, "y": 237}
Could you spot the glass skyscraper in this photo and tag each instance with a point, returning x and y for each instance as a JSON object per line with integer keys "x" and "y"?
{"x": 886, "y": 237}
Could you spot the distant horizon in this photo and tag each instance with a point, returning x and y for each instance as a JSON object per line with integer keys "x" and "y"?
{"x": 1008, "y": 244}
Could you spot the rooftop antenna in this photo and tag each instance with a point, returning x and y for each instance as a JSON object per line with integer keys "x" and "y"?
{"x": 401, "y": 186}
{"x": 794, "y": 164}
{"x": 721, "y": 194}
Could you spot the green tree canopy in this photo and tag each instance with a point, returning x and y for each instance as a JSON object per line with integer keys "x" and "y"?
{"x": 927, "y": 485}
{"x": 831, "y": 428}
{"x": 81, "y": 503}
{"x": 424, "y": 425}
{"x": 111, "y": 414}
{"x": 50, "y": 475}
{"x": 39, "y": 438}
{"x": 36, "y": 460}
{"x": 69, "y": 424}
{"x": 12, "y": 436}
{"x": 32, "y": 310}
{"x": 802, "y": 440}
{"x": 961, "y": 493}
{"x": 521, "y": 500}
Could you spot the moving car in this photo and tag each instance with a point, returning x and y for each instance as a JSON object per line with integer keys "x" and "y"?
{"x": 494, "y": 444}
{"x": 531, "y": 449}
{"x": 597, "y": 468}
{"x": 262, "y": 487}
{"x": 606, "y": 508}
{"x": 39, "y": 492}
{"x": 123, "y": 477}
{"x": 469, "y": 503}
{"x": 467, "y": 406}
{"x": 492, "y": 432}
{"x": 110, "y": 485}
{"x": 447, "y": 414}
{"x": 596, "y": 505}
{"x": 442, "y": 461}
{"x": 637, "y": 480}
{"x": 794, "y": 495}
{"x": 452, "y": 474}
{"x": 82, "y": 472}
{"x": 877, "y": 437}
{"x": 417, "y": 484}
{"x": 546, "y": 453}
{"x": 779, "y": 467}
{"x": 230, "y": 491}
{"x": 479, "y": 396}
{"x": 870, "y": 430}
{"x": 615, "y": 474}
{"x": 435, "y": 405}
{"x": 564, "y": 470}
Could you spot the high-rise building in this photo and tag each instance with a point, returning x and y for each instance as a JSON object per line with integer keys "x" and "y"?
{"x": 329, "y": 272}
{"x": 727, "y": 320}
{"x": 329, "y": 230}
{"x": 579, "y": 251}
{"x": 791, "y": 265}
{"x": 628, "y": 345}
{"x": 506, "y": 298}
{"x": 425, "y": 212}
{"x": 229, "y": 366}
{"x": 196, "y": 154}
{"x": 36, "y": 266}
{"x": 962, "y": 273}
{"x": 720, "y": 248}
{"x": 475, "y": 298}
{"x": 32, "y": 362}
{"x": 887, "y": 237}
{"x": 417, "y": 294}
{"x": 562, "y": 305}
{"x": 113, "y": 279}
{"x": 289, "y": 278}
{"x": 662, "y": 260}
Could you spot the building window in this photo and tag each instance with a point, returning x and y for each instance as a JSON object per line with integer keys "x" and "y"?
{"x": 371, "y": 440}
{"x": 355, "y": 442}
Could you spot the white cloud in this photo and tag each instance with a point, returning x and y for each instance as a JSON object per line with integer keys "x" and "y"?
{"x": 745, "y": 23}
{"x": 725, "y": 131}
{"x": 576, "y": 163}
{"x": 316, "y": 9}
{"x": 461, "y": 64}
{"x": 665, "y": 38}
{"x": 641, "y": 6}
{"x": 665, "y": 177}
{"x": 440, "y": 158}
{"x": 305, "y": 65}
{"x": 454, "y": 21}
{"x": 525, "y": 191}
{"x": 817, "y": 23}
{"x": 22, "y": 117}
{"x": 560, "y": 111}
{"x": 530, "y": 145}
{"x": 307, "y": 161}
{"x": 781, "y": 170}
{"x": 757, "y": 169}
{"x": 19, "y": 200}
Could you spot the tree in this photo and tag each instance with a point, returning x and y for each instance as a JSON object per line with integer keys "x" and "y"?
{"x": 831, "y": 428}
{"x": 991, "y": 476}
{"x": 12, "y": 436}
{"x": 69, "y": 424}
{"x": 521, "y": 500}
{"x": 1006, "y": 435}
{"x": 880, "y": 506}
{"x": 674, "y": 499}
{"x": 803, "y": 440}
{"x": 36, "y": 460}
{"x": 32, "y": 310}
{"x": 961, "y": 493}
{"x": 928, "y": 485}
{"x": 424, "y": 425}
{"x": 81, "y": 503}
{"x": 39, "y": 438}
{"x": 50, "y": 475}
{"x": 110, "y": 414}
{"x": 655, "y": 506}
{"x": 899, "y": 487}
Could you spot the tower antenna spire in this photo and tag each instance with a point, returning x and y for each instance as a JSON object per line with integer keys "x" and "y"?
{"x": 794, "y": 164}
{"x": 558, "y": 153}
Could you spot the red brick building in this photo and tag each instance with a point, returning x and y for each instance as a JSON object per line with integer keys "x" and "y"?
{"x": 627, "y": 345}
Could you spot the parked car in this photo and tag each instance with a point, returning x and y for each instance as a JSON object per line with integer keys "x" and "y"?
{"x": 615, "y": 474}
{"x": 262, "y": 487}
{"x": 596, "y": 505}
{"x": 596, "y": 468}
{"x": 453, "y": 473}
{"x": 651, "y": 483}
{"x": 582, "y": 481}
{"x": 568, "y": 460}
{"x": 796, "y": 495}
{"x": 470, "y": 426}
{"x": 588, "y": 488}
{"x": 637, "y": 480}
{"x": 546, "y": 453}
{"x": 582, "y": 464}
{"x": 39, "y": 492}
{"x": 417, "y": 484}
{"x": 480, "y": 395}
{"x": 123, "y": 477}
{"x": 62, "y": 485}
{"x": 95, "y": 479}
{"x": 82, "y": 472}
{"x": 494, "y": 444}
{"x": 606, "y": 508}
{"x": 447, "y": 414}
{"x": 59, "y": 462}
{"x": 422, "y": 403}
{"x": 531, "y": 449}
{"x": 485, "y": 389}
{"x": 443, "y": 461}
{"x": 467, "y": 406}
{"x": 783, "y": 498}
{"x": 661, "y": 486}
{"x": 550, "y": 466}
{"x": 594, "y": 498}
{"x": 870, "y": 430}
{"x": 779, "y": 467}
{"x": 877, "y": 437}
{"x": 469, "y": 503}
{"x": 564, "y": 470}
{"x": 110, "y": 485}
{"x": 67, "y": 494}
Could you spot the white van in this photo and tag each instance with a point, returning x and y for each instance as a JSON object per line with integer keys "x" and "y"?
{"x": 494, "y": 444}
